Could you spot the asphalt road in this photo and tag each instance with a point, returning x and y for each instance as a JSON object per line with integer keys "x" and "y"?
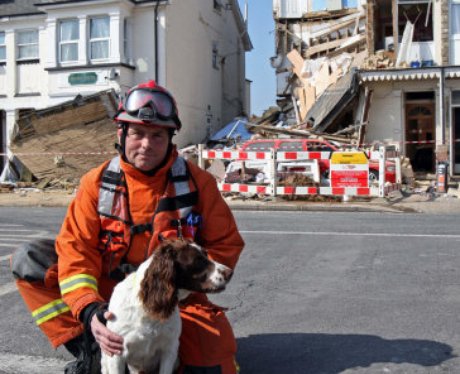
{"x": 314, "y": 292}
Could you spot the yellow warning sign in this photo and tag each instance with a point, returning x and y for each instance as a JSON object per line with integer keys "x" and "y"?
{"x": 356, "y": 158}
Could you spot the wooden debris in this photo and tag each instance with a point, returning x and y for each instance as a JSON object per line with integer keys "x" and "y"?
{"x": 4, "y": 188}
{"x": 296, "y": 179}
{"x": 67, "y": 140}
{"x": 299, "y": 133}
{"x": 322, "y": 80}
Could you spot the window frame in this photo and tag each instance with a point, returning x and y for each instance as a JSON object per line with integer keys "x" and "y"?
{"x": 127, "y": 45}
{"x": 98, "y": 39}
{"x": 67, "y": 42}
{"x": 18, "y": 46}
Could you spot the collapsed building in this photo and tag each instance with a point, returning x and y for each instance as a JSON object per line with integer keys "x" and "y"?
{"x": 382, "y": 71}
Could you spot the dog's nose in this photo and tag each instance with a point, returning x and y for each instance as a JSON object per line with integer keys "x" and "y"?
{"x": 226, "y": 272}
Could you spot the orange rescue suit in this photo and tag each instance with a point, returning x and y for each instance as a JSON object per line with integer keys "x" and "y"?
{"x": 90, "y": 248}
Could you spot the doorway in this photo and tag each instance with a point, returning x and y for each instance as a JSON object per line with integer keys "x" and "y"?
{"x": 420, "y": 131}
{"x": 456, "y": 129}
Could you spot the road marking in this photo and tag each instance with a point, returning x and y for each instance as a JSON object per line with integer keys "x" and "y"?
{"x": 15, "y": 230}
{"x": 10, "y": 225}
{"x": 8, "y": 245}
{"x": 22, "y": 234}
{"x": 335, "y": 233}
{"x": 4, "y": 258}
{"x": 8, "y": 288}
{"x": 19, "y": 364}
{"x": 13, "y": 238}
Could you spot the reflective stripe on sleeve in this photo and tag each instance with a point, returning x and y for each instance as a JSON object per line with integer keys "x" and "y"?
{"x": 78, "y": 281}
{"x": 49, "y": 311}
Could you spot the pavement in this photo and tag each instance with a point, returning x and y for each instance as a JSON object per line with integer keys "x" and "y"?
{"x": 414, "y": 201}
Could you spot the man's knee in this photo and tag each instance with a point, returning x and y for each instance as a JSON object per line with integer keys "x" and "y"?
{"x": 207, "y": 341}
{"x": 32, "y": 260}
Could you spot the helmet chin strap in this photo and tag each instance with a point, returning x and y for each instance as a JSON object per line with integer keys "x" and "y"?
{"x": 121, "y": 147}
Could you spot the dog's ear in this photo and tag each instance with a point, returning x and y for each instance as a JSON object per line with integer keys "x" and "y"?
{"x": 158, "y": 293}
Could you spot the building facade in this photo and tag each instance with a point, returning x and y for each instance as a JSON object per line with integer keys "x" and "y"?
{"x": 53, "y": 50}
{"x": 407, "y": 57}
{"x": 415, "y": 104}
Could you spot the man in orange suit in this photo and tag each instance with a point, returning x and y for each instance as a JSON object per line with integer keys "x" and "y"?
{"x": 122, "y": 210}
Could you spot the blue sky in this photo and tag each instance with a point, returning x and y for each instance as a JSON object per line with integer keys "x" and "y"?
{"x": 258, "y": 69}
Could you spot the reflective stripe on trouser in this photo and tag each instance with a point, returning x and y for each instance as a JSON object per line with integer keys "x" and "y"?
{"x": 53, "y": 318}
{"x": 207, "y": 338}
{"x": 49, "y": 311}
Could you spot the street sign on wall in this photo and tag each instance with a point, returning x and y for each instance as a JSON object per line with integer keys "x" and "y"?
{"x": 349, "y": 169}
{"x": 82, "y": 78}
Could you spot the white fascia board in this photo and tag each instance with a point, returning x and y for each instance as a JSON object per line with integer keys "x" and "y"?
{"x": 149, "y": 4}
{"x": 22, "y": 19}
{"x": 50, "y": 7}
{"x": 88, "y": 10}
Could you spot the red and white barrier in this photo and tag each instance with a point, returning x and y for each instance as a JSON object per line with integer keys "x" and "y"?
{"x": 272, "y": 189}
{"x": 291, "y": 156}
{"x": 236, "y": 155}
{"x": 298, "y": 190}
{"x": 236, "y": 187}
{"x": 330, "y": 191}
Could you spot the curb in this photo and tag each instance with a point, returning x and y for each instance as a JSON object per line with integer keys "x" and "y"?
{"x": 312, "y": 207}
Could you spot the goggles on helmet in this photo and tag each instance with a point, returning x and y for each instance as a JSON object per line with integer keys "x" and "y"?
{"x": 150, "y": 105}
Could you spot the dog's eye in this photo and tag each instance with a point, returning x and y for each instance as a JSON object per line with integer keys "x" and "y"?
{"x": 200, "y": 263}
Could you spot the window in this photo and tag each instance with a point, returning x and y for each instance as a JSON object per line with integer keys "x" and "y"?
{"x": 126, "y": 40}
{"x": 421, "y": 15}
{"x": 319, "y": 147}
{"x": 27, "y": 43}
{"x": 260, "y": 146}
{"x": 2, "y": 46}
{"x": 456, "y": 99}
{"x": 215, "y": 53}
{"x": 68, "y": 40}
{"x": 291, "y": 146}
{"x": 217, "y": 5}
{"x": 99, "y": 38}
{"x": 420, "y": 111}
{"x": 455, "y": 19}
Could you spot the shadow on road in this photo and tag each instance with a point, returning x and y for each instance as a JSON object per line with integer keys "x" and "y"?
{"x": 329, "y": 354}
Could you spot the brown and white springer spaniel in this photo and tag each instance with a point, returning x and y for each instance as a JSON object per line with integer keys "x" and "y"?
{"x": 146, "y": 310}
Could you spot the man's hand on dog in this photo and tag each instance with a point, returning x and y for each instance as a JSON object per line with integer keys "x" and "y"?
{"x": 110, "y": 343}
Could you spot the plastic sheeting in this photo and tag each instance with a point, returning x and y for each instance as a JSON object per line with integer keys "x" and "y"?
{"x": 236, "y": 130}
{"x": 14, "y": 171}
